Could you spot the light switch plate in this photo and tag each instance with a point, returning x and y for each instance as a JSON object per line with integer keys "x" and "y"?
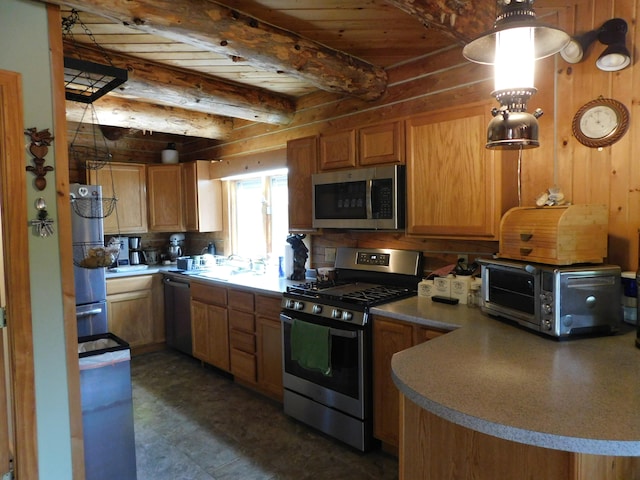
{"x": 329, "y": 254}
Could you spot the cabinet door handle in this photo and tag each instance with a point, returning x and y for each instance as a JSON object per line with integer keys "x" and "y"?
{"x": 525, "y": 237}
{"x": 525, "y": 251}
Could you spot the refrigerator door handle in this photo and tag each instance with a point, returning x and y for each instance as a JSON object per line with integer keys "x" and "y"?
{"x": 87, "y": 313}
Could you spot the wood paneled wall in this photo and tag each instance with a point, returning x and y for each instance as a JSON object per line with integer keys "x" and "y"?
{"x": 610, "y": 175}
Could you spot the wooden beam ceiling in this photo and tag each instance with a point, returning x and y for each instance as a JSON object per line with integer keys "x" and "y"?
{"x": 461, "y": 19}
{"x": 189, "y": 90}
{"x": 223, "y": 30}
{"x": 121, "y": 112}
{"x": 175, "y": 99}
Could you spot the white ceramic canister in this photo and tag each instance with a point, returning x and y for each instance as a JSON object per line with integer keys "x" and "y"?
{"x": 460, "y": 285}
{"x": 443, "y": 286}
{"x": 426, "y": 289}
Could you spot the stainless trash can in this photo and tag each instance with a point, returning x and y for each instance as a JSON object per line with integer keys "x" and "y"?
{"x": 107, "y": 408}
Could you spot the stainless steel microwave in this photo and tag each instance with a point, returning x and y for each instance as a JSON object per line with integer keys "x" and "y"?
{"x": 557, "y": 301}
{"x": 364, "y": 198}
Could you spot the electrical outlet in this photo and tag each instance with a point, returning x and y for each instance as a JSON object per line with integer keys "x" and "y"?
{"x": 329, "y": 254}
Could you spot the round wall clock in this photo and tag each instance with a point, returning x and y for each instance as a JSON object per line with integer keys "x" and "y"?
{"x": 600, "y": 122}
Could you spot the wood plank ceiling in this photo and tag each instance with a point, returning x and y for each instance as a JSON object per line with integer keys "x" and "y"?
{"x": 198, "y": 67}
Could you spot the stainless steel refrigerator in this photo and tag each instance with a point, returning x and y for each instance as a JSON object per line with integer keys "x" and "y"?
{"x": 91, "y": 287}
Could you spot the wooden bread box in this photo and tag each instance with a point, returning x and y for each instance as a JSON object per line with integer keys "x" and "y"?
{"x": 561, "y": 235}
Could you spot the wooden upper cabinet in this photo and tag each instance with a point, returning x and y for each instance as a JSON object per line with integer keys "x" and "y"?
{"x": 338, "y": 150}
{"x": 302, "y": 161}
{"x": 164, "y": 183}
{"x": 457, "y": 188}
{"x": 381, "y": 144}
{"x": 127, "y": 182}
{"x": 202, "y": 198}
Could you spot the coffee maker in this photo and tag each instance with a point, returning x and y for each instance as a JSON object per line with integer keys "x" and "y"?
{"x": 135, "y": 252}
{"x": 175, "y": 246}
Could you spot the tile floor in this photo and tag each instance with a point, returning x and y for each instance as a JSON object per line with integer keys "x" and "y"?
{"x": 193, "y": 423}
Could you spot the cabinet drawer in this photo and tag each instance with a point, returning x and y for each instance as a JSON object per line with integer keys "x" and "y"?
{"x": 242, "y": 341}
{"x": 241, "y": 300}
{"x": 209, "y": 294}
{"x": 268, "y": 306}
{"x": 242, "y": 321}
{"x": 129, "y": 284}
{"x": 243, "y": 365}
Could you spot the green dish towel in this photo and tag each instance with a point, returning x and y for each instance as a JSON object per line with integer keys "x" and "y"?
{"x": 311, "y": 346}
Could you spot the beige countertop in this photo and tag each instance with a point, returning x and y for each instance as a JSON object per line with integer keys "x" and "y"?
{"x": 266, "y": 283}
{"x": 580, "y": 395}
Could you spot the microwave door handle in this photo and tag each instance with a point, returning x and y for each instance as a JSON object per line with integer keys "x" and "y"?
{"x": 369, "y": 199}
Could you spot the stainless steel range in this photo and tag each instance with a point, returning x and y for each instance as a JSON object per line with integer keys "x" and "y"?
{"x": 327, "y": 340}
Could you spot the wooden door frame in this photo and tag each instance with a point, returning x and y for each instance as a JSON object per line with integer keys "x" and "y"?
{"x": 65, "y": 241}
{"x": 13, "y": 202}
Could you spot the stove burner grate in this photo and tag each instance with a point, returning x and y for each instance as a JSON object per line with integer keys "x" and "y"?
{"x": 353, "y": 293}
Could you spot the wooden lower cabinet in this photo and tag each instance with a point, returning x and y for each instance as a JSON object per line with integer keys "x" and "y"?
{"x": 135, "y": 310}
{"x": 242, "y": 335}
{"x": 391, "y": 336}
{"x": 210, "y": 325}
{"x": 432, "y": 448}
{"x": 269, "y": 345}
{"x": 238, "y": 331}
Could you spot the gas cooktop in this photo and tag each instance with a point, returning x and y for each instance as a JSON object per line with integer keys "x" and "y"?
{"x": 357, "y": 293}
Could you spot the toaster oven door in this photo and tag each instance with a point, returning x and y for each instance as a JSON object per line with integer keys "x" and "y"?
{"x": 511, "y": 293}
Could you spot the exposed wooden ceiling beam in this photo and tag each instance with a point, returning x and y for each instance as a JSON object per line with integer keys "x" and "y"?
{"x": 462, "y": 19}
{"x": 120, "y": 112}
{"x": 220, "y": 29}
{"x": 186, "y": 89}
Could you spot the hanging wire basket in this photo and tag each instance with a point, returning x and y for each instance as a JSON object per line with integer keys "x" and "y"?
{"x": 93, "y": 153}
{"x": 93, "y": 207}
{"x": 95, "y": 255}
{"x": 94, "y": 158}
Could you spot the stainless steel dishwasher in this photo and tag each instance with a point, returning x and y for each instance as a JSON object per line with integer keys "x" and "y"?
{"x": 177, "y": 313}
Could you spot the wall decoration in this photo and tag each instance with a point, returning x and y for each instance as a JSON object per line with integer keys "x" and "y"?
{"x": 40, "y": 142}
{"x": 600, "y": 122}
{"x": 43, "y": 225}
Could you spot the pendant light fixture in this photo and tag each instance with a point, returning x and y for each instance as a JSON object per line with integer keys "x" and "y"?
{"x": 516, "y": 41}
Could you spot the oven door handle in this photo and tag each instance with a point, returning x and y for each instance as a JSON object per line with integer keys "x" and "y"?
{"x": 334, "y": 332}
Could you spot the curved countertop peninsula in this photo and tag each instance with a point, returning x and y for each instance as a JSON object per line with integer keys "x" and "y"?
{"x": 579, "y": 395}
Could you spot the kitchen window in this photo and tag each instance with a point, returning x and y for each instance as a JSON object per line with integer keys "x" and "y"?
{"x": 259, "y": 214}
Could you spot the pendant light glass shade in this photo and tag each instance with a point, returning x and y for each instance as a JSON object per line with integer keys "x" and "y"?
{"x": 514, "y": 61}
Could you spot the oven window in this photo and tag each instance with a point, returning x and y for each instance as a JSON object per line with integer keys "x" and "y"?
{"x": 511, "y": 289}
{"x": 346, "y": 200}
{"x": 344, "y": 377}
